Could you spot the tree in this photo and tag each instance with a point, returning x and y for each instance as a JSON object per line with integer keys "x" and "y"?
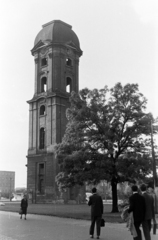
{"x": 107, "y": 138}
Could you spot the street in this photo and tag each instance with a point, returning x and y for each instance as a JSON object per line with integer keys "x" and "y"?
{"x": 38, "y": 227}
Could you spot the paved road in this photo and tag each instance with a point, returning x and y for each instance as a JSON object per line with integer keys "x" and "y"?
{"x": 38, "y": 227}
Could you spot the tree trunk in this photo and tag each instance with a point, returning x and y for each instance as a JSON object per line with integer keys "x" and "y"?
{"x": 114, "y": 195}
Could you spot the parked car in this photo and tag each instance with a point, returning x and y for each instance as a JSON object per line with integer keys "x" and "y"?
{"x": 2, "y": 204}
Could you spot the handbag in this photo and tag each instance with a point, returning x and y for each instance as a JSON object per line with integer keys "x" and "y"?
{"x": 154, "y": 228}
{"x": 20, "y": 211}
{"x": 102, "y": 222}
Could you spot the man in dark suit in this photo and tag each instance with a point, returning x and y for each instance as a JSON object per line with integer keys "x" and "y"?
{"x": 96, "y": 203}
{"x": 149, "y": 214}
{"x": 137, "y": 206}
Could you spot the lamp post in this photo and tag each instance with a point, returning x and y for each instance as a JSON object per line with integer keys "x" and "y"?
{"x": 10, "y": 189}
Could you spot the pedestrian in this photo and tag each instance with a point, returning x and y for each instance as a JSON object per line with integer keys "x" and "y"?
{"x": 149, "y": 213}
{"x": 150, "y": 190}
{"x": 137, "y": 206}
{"x": 24, "y": 206}
{"x": 96, "y": 203}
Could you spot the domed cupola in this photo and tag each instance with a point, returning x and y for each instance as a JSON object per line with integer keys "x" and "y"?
{"x": 57, "y": 32}
{"x": 56, "y": 53}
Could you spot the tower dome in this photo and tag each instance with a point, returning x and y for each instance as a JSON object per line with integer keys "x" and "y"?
{"x": 58, "y": 32}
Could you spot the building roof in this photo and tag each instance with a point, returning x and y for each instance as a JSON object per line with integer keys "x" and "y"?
{"x": 57, "y": 32}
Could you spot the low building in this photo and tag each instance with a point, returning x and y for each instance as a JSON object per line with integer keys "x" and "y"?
{"x": 7, "y": 183}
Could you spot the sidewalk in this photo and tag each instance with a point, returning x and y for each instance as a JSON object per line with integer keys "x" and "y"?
{"x": 38, "y": 227}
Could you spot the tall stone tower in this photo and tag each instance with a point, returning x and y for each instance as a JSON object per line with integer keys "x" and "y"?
{"x": 56, "y": 54}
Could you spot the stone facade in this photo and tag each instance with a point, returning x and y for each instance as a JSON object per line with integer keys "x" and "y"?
{"x": 56, "y": 53}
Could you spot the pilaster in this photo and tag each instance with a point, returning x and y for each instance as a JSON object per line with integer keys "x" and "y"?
{"x": 30, "y": 127}
{"x": 36, "y": 59}
{"x": 76, "y": 74}
{"x": 50, "y": 77}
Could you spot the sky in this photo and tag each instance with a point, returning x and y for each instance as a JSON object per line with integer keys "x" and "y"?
{"x": 119, "y": 43}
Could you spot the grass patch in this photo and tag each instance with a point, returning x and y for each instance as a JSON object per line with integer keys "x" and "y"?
{"x": 76, "y": 211}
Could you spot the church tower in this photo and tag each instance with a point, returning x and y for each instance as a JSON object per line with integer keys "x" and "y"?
{"x": 56, "y": 54}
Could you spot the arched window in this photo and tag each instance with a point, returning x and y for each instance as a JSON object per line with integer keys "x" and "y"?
{"x": 42, "y": 110}
{"x": 43, "y": 62}
{"x": 68, "y": 62}
{"x": 42, "y": 138}
{"x": 44, "y": 84}
{"x": 68, "y": 84}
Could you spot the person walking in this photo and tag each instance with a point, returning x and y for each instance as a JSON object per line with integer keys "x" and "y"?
{"x": 96, "y": 203}
{"x": 137, "y": 206}
{"x": 24, "y": 206}
{"x": 149, "y": 213}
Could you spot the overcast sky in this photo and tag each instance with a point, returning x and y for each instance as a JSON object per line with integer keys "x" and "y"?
{"x": 119, "y": 43}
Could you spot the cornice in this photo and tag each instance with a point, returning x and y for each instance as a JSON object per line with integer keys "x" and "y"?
{"x": 41, "y": 45}
{"x": 45, "y": 153}
{"x": 49, "y": 95}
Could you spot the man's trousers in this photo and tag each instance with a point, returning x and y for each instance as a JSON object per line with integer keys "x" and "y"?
{"x": 97, "y": 220}
{"x": 146, "y": 224}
